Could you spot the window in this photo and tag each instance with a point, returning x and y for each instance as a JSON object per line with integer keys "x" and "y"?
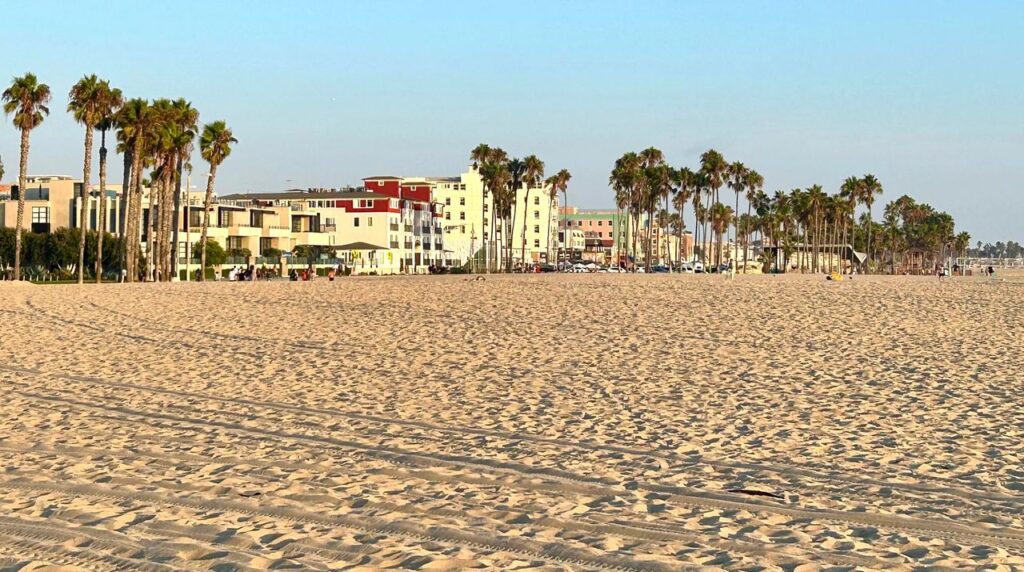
{"x": 536, "y": 243}
{"x": 609, "y": 223}
{"x": 448, "y": 201}
{"x": 536, "y": 228}
{"x": 462, "y": 216}
{"x": 536, "y": 200}
{"x": 536, "y": 214}
{"x": 40, "y": 215}
{"x": 369, "y": 221}
{"x": 447, "y": 216}
{"x": 355, "y": 221}
{"x": 598, "y": 223}
{"x": 329, "y": 221}
{"x": 462, "y": 201}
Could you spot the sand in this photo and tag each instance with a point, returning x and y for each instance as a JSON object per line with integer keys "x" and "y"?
{"x": 519, "y": 423}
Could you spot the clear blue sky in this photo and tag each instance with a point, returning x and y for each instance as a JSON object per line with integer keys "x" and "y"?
{"x": 928, "y": 96}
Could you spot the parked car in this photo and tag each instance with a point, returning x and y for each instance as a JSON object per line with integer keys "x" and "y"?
{"x": 661, "y": 269}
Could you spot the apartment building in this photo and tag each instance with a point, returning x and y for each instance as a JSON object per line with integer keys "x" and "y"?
{"x": 389, "y": 228}
{"x": 467, "y": 219}
{"x": 53, "y": 201}
{"x": 609, "y": 235}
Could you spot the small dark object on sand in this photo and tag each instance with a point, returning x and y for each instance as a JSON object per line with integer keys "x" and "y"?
{"x": 755, "y": 493}
{"x": 248, "y": 494}
{"x": 475, "y": 279}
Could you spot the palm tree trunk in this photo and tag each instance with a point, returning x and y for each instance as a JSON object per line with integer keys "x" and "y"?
{"x": 101, "y": 226}
{"x": 176, "y": 222}
{"x": 136, "y": 234}
{"x": 485, "y": 240}
{"x": 156, "y": 207}
{"x": 22, "y": 176}
{"x": 166, "y": 214}
{"x": 867, "y": 261}
{"x": 526, "y": 208}
{"x": 207, "y": 203}
{"x": 125, "y": 203}
{"x": 84, "y": 209}
{"x": 746, "y": 239}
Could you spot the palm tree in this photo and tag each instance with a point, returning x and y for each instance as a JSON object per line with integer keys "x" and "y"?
{"x": 625, "y": 180}
{"x": 556, "y": 183}
{"x": 870, "y": 188}
{"x": 134, "y": 120}
{"x": 737, "y": 181}
{"x": 111, "y": 101}
{"x": 479, "y": 155}
{"x": 182, "y": 144}
{"x": 755, "y": 182}
{"x": 658, "y": 184}
{"x": 685, "y": 185}
{"x": 496, "y": 176}
{"x": 85, "y": 104}
{"x": 214, "y": 146}
{"x": 815, "y": 202}
{"x": 27, "y": 100}
{"x": 721, "y": 218}
{"x": 533, "y": 173}
{"x": 713, "y": 165}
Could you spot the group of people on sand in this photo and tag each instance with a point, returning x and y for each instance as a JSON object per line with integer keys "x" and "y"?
{"x": 309, "y": 274}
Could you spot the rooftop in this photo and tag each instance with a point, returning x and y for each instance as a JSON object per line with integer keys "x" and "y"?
{"x": 299, "y": 195}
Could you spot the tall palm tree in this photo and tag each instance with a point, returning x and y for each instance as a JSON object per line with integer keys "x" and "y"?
{"x": 815, "y": 202}
{"x": 27, "y": 100}
{"x": 533, "y": 173}
{"x": 625, "y": 180}
{"x": 755, "y": 182}
{"x": 182, "y": 144}
{"x": 715, "y": 168}
{"x": 870, "y": 189}
{"x": 721, "y": 217}
{"x": 111, "y": 101}
{"x": 685, "y": 186}
{"x": 658, "y": 184}
{"x": 215, "y": 146}
{"x": 737, "y": 181}
{"x": 850, "y": 192}
{"x": 556, "y": 183}
{"x": 497, "y": 178}
{"x": 134, "y": 120}
{"x": 480, "y": 155}
{"x": 85, "y": 103}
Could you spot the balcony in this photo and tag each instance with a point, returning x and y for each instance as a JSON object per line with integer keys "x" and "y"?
{"x": 394, "y": 227}
{"x": 425, "y": 230}
{"x": 394, "y": 244}
{"x": 328, "y": 228}
{"x": 244, "y": 230}
{"x": 276, "y": 231}
{"x": 408, "y": 228}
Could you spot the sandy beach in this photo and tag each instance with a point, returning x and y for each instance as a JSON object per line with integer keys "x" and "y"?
{"x": 548, "y": 422}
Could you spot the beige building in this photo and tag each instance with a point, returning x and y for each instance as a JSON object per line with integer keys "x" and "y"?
{"x": 52, "y": 202}
{"x": 467, "y": 219}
